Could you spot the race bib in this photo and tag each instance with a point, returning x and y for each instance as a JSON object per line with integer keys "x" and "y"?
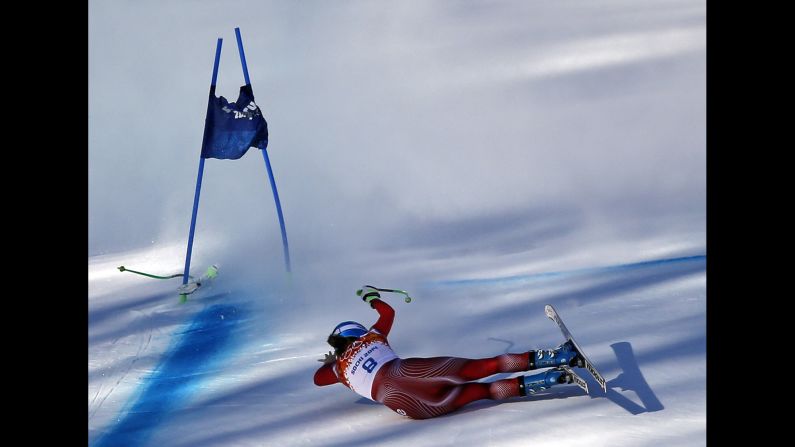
{"x": 362, "y": 360}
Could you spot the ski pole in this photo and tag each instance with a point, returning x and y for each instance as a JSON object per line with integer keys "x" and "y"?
{"x": 402, "y": 292}
{"x": 124, "y": 269}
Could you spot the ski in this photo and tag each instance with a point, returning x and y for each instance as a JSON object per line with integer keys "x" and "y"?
{"x": 553, "y": 315}
{"x": 193, "y": 285}
{"x": 187, "y": 289}
{"x": 577, "y": 380}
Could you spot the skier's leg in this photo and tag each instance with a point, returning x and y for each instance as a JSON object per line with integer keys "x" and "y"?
{"x": 504, "y": 389}
{"x": 497, "y": 390}
{"x": 437, "y": 398}
{"x": 405, "y": 386}
{"x": 474, "y": 369}
{"x": 459, "y": 370}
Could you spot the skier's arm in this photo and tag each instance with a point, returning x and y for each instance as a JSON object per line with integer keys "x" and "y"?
{"x": 325, "y": 375}
{"x": 386, "y": 315}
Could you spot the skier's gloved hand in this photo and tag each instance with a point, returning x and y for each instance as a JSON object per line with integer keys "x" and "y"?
{"x": 329, "y": 358}
{"x": 368, "y": 293}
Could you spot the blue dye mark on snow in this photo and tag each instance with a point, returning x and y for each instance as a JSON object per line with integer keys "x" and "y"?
{"x": 568, "y": 273}
{"x": 192, "y": 358}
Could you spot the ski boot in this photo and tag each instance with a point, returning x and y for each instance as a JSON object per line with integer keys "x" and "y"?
{"x": 537, "y": 382}
{"x": 565, "y": 354}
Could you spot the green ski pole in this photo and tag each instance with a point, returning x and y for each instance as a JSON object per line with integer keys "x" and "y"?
{"x": 402, "y": 292}
{"x": 124, "y": 269}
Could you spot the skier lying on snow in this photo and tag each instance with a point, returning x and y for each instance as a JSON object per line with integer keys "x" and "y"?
{"x": 422, "y": 388}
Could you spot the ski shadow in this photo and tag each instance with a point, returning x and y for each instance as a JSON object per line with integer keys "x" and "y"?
{"x": 630, "y": 379}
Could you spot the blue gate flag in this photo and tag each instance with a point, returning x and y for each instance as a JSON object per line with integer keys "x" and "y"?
{"x": 231, "y": 128}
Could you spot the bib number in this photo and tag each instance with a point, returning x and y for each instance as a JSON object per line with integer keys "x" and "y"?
{"x": 369, "y": 365}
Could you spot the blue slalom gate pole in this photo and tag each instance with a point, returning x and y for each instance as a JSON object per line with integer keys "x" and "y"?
{"x": 242, "y": 55}
{"x": 186, "y": 274}
{"x": 278, "y": 211}
{"x": 285, "y": 245}
{"x": 193, "y": 220}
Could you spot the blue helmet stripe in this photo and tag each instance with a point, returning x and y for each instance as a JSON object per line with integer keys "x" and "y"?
{"x": 350, "y": 329}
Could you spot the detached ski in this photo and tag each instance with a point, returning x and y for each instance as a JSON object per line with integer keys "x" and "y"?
{"x": 187, "y": 289}
{"x": 553, "y": 315}
{"x": 193, "y": 285}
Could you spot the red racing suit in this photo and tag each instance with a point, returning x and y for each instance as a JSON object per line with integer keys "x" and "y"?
{"x": 418, "y": 388}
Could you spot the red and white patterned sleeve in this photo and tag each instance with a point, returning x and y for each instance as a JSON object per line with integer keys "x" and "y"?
{"x": 386, "y": 315}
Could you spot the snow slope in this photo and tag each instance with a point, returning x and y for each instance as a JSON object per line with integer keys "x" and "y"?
{"x": 234, "y": 365}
